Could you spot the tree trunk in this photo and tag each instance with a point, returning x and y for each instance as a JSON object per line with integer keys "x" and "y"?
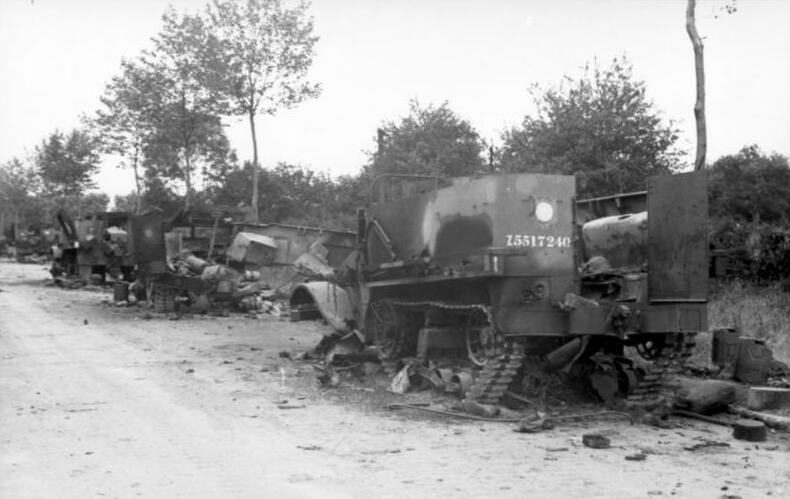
{"x": 254, "y": 203}
{"x": 188, "y": 182}
{"x": 699, "y": 105}
{"x": 139, "y": 200}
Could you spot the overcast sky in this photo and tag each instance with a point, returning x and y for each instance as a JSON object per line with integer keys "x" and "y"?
{"x": 376, "y": 55}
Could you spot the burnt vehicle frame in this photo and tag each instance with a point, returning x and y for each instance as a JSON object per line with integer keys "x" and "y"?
{"x": 499, "y": 263}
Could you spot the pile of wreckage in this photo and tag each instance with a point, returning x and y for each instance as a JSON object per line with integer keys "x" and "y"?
{"x": 220, "y": 265}
{"x": 741, "y": 387}
{"x": 208, "y": 261}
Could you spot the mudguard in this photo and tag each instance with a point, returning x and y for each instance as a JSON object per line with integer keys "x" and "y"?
{"x": 334, "y": 303}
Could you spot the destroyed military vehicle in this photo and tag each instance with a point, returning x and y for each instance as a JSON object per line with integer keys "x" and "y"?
{"x": 518, "y": 274}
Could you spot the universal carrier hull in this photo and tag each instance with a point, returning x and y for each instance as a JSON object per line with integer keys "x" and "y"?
{"x": 513, "y": 267}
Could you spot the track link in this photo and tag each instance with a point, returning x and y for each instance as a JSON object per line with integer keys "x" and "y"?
{"x": 654, "y": 385}
{"x": 497, "y": 375}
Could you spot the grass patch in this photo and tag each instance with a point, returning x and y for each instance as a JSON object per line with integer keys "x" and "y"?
{"x": 761, "y": 312}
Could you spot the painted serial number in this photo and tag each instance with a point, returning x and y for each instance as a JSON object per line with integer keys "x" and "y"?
{"x": 530, "y": 241}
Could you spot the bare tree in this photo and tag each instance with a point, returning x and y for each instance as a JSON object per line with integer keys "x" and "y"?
{"x": 699, "y": 68}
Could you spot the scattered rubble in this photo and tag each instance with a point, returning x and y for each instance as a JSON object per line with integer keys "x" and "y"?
{"x": 704, "y": 444}
{"x": 596, "y": 441}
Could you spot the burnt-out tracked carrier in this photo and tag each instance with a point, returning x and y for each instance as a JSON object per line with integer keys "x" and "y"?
{"x": 523, "y": 276}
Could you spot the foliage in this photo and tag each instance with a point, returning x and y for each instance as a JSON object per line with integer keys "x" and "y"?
{"x": 67, "y": 163}
{"x": 24, "y": 204}
{"x": 600, "y": 126}
{"x": 18, "y": 204}
{"x": 751, "y": 186}
{"x": 183, "y": 135}
{"x": 94, "y": 202}
{"x": 758, "y": 311}
{"x": 125, "y": 122}
{"x": 187, "y": 148}
{"x": 17, "y": 183}
{"x": 158, "y": 195}
{"x": 291, "y": 194}
{"x": 265, "y": 51}
{"x": 128, "y": 202}
{"x": 429, "y": 141}
{"x": 756, "y": 252}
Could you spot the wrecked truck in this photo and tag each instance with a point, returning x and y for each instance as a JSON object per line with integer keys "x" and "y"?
{"x": 522, "y": 278}
{"x": 96, "y": 244}
{"x": 245, "y": 264}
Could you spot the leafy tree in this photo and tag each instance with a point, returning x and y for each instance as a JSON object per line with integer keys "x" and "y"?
{"x": 429, "y": 141}
{"x": 125, "y": 121}
{"x": 18, "y": 204}
{"x": 127, "y": 202}
{"x": 158, "y": 196}
{"x": 600, "y": 126}
{"x": 186, "y": 147}
{"x": 292, "y": 194}
{"x": 94, "y": 202}
{"x": 266, "y": 49}
{"x": 751, "y": 186}
{"x": 67, "y": 163}
{"x": 185, "y": 137}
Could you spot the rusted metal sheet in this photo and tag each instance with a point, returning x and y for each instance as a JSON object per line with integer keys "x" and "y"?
{"x": 678, "y": 237}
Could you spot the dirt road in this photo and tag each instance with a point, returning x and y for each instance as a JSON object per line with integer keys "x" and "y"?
{"x": 100, "y": 401}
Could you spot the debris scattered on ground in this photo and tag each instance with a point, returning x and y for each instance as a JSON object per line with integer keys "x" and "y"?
{"x": 596, "y": 441}
{"x": 327, "y": 376}
{"x": 534, "y": 425}
{"x": 478, "y": 409}
{"x": 749, "y": 430}
{"x": 708, "y": 397}
{"x": 400, "y": 383}
{"x": 377, "y": 452}
{"x": 704, "y": 444}
{"x": 309, "y": 447}
{"x": 771, "y": 420}
{"x": 700, "y": 417}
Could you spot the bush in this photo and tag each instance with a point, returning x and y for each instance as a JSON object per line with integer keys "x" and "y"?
{"x": 758, "y": 253}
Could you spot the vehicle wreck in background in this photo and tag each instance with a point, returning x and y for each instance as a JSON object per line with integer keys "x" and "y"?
{"x": 234, "y": 265}
{"x": 524, "y": 279}
{"x": 95, "y": 245}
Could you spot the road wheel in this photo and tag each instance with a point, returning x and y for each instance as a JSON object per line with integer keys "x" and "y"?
{"x": 393, "y": 329}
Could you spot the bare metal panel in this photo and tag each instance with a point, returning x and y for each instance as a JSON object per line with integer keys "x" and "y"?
{"x": 677, "y": 229}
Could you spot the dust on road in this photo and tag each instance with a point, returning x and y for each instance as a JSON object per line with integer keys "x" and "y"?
{"x": 98, "y": 401}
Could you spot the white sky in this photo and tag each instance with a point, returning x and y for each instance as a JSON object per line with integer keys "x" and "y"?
{"x": 375, "y": 55}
